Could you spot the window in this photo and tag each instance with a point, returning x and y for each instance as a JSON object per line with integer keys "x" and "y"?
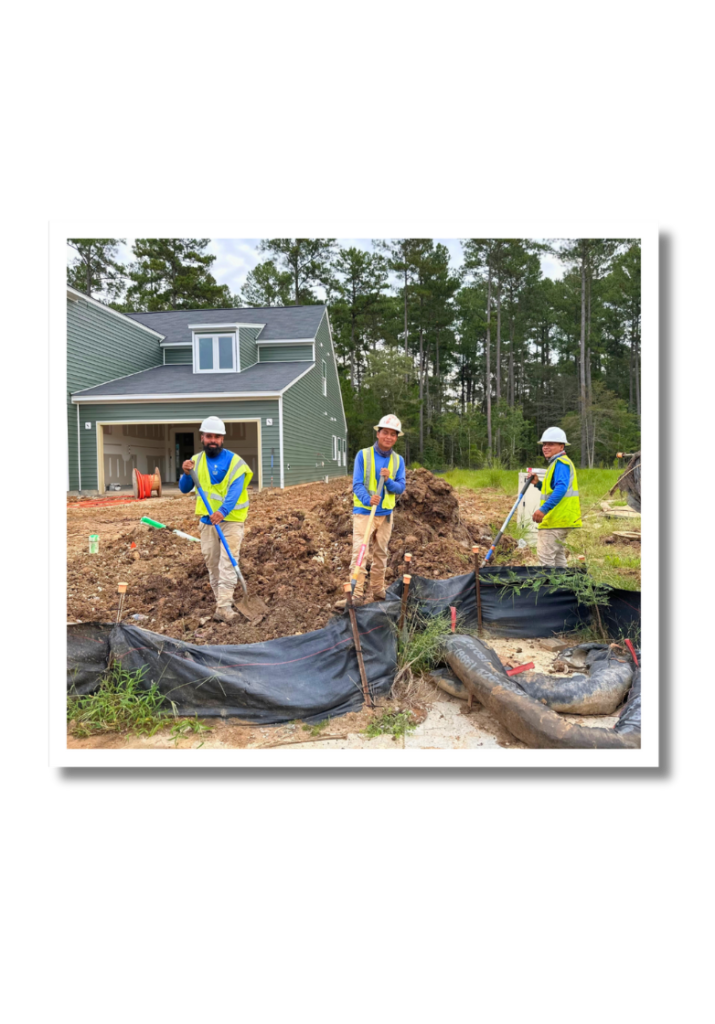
{"x": 325, "y": 380}
{"x": 335, "y": 448}
{"x": 215, "y": 353}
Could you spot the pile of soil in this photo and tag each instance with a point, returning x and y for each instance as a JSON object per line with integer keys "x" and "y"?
{"x": 295, "y": 555}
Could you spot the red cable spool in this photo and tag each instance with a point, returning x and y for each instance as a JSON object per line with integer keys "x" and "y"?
{"x": 145, "y": 483}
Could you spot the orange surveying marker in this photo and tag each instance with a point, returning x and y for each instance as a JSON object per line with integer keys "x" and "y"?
{"x": 362, "y": 553}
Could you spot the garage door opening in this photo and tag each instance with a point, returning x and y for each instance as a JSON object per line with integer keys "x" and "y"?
{"x": 124, "y": 447}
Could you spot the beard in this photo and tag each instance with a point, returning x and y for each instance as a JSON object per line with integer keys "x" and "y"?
{"x": 211, "y": 450}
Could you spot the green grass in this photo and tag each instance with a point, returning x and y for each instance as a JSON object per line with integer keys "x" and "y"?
{"x": 121, "y": 704}
{"x": 315, "y": 730}
{"x": 390, "y": 723}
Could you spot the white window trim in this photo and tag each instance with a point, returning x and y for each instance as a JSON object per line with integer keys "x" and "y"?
{"x": 324, "y": 370}
{"x": 335, "y": 448}
{"x": 223, "y": 327}
{"x": 215, "y": 335}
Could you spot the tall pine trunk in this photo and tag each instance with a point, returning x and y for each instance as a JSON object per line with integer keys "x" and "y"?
{"x": 488, "y": 352}
{"x": 582, "y": 364}
{"x": 422, "y": 411}
{"x": 498, "y": 362}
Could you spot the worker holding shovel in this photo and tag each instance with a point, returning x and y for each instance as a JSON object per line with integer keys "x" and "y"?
{"x": 560, "y": 508}
{"x": 378, "y": 477}
{"x": 224, "y": 478}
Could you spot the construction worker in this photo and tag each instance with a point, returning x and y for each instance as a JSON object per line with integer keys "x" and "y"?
{"x": 224, "y": 478}
{"x": 560, "y": 509}
{"x": 371, "y": 464}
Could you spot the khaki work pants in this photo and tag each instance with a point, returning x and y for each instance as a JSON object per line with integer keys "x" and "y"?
{"x": 377, "y": 552}
{"x": 550, "y": 547}
{"x": 222, "y": 574}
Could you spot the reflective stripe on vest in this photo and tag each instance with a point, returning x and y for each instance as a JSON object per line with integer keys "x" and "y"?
{"x": 567, "y": 514}
{"x": 216, "y": 492}
{"x": 370, "y": 478}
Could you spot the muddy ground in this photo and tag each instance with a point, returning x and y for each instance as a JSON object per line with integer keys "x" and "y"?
{"x": 295, "y": 555}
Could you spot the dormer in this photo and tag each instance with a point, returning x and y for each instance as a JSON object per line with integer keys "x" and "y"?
{"x": 216, "y": 347}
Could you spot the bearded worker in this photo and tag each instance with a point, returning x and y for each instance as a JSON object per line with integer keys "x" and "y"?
{"x": 224, "y": 478}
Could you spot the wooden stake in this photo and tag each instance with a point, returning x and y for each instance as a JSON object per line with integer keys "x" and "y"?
{"x": 347, "y": 588}
{"x": 403, "y": 607}
{"x": 121, "y": 590}
{"x": 478, "y": 588}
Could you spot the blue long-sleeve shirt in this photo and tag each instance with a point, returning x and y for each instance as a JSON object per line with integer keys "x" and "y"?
{"x": 395, "y": 486}
{"x": 218, "y": 468}
{"x": 560, "y": 484}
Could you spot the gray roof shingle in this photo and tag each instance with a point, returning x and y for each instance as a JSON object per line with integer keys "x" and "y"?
{"x": 181, "y": 380}
{"x": 282, "y": 322}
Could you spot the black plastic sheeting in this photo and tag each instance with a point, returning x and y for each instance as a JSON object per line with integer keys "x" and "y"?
{"x": 630, "y": 716}
{"x": 525, "y": 614}
{"x": 309, "y": 677}
{"x": 622, "y": 614}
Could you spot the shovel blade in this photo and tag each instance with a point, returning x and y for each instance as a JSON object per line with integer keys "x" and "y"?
{"x": 252, "y": 607}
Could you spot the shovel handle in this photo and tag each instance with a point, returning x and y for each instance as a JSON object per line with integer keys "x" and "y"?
{"x": 220, "y": 532}
{"x": 364, "y": 546}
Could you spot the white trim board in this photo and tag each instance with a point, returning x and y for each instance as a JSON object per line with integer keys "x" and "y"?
{"x": 286, "y": 341}
{"x": 228, "y": 395}
{"x": 75, "y": 296}
{"x": 220, "y": 327}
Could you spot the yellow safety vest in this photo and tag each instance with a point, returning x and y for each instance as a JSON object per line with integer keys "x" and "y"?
{"x": 368, "y": 461}
{"x": 567, "y": 514}
{"x": 216, "y": 493}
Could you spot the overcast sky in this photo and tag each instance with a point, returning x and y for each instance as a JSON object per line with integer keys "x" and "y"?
{"x": 235, "y": 257}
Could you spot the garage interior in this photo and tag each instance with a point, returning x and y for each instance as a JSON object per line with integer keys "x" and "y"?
{"x": 144, "y": 446}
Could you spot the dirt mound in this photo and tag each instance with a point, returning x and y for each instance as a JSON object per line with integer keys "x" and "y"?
{"x": 295, "y": 555}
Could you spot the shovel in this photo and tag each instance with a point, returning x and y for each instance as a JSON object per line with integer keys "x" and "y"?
{"x": 362, "y": 553}
{"x": 499, "y": 536}
{"x": 250, "y": 607}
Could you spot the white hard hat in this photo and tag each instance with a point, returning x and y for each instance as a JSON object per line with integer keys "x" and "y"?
{"x": 212, "y": 425}
{"x": 390, "y": 422}
{"x": 554, "y": 434}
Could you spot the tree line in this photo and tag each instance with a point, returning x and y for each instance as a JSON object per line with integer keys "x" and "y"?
{"x": 477, "y": 360}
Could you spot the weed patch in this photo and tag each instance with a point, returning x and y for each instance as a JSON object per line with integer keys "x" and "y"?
{"x": 121, "y": 704}
{"x": 391, "y": 723}
{"x": 315, "y": 730}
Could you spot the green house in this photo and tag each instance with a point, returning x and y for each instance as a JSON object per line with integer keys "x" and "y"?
{"x": 140, "y": 384}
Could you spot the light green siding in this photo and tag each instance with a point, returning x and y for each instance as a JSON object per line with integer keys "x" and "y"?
{"x": 247, "y": 345}
{"x": 172, "y": 412}
{"x": 178, "y": 355}
{"x": 100, "y": 347}
{"x": 310, "y": 419}
{"x": 285, "y": 353}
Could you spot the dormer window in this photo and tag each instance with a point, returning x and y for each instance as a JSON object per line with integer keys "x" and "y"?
{"x": 215, "y": 353}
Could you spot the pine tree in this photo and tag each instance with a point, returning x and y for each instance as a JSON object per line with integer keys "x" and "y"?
{"x": 266, "y": 285}
{"x": 307, "y": 260}
{"x": 174, "y": 273}
{"x": 95, "y": 269}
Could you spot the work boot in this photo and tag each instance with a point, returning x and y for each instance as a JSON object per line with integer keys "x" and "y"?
{"x": 377, "y": 582}
{"x": 224, "y": 614}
